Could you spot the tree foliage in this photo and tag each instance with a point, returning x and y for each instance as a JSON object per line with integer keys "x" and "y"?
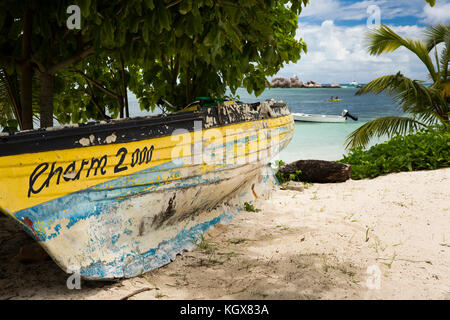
{"x": 154, "y": 48}
{"x": 213, "y": 45}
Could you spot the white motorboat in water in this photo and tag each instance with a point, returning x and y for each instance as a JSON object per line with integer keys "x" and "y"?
{"x": 323, "y": 117}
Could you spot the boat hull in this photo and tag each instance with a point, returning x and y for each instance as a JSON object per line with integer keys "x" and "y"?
{"x": 120, "y": 209}
{"x": 318, "y": 118}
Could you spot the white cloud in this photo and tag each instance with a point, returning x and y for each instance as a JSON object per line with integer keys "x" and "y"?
{"x": 321, "y": 9}
{"x": 338, "y": 10}
{"x": 338, "y": 55}
{"x": 440, "y": 13}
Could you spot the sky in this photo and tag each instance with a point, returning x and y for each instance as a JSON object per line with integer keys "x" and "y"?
{"x": 335, "y": 31}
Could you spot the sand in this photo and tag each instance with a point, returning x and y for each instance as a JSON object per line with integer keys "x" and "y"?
{"x": 386, "y": 238}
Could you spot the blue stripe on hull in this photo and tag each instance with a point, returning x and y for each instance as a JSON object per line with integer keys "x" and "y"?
{"x": 154, "y": 258}
{"x": 102, "y": 203}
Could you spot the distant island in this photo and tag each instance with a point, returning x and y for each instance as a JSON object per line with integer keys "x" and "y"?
{"x": 294, "y": 82}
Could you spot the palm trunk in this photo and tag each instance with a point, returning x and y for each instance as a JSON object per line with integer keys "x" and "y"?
{"x": 188, "y": 86}
{"x": 175, "y": 69}
{"x": 26, "y": 94}
{"x": 124, "y": 85}
{"x": 121, "y": 106}
{"x": 26, "y": 75}
{"x": 46, "y": 99}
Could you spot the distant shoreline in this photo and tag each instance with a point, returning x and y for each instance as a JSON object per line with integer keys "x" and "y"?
{"x": 322, "y": 87}
{"x": 294, "y": 82}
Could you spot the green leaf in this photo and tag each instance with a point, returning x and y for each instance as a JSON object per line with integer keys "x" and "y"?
{"x": 150, "y": 5}
{"x": 185, "y": 6}
{"x": 209, "y": 40}
{"x": 164, "y": 18}
{"x": 134, "y": 27}
{"x": 146, "y": 31}
{"x": 2, "y": 18}
{"x": 85, "y": 7}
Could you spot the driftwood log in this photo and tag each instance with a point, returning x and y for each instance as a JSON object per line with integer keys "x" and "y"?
{"x": 320, "y": 171}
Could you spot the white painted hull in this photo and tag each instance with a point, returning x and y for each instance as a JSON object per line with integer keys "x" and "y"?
{"x": 317, "y": 118}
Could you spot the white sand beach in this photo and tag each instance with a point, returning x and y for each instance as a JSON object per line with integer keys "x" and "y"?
{"x": 386, "y": 238}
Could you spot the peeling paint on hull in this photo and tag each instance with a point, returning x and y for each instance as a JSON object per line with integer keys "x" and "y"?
{"x": 128, "y": 212}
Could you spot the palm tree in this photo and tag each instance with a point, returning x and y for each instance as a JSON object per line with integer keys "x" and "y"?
{"x": 426, "y": 105}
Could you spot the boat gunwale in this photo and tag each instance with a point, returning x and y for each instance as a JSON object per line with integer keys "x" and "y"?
{"x": 22, "y": 141}
{"x": 128, "y": 123}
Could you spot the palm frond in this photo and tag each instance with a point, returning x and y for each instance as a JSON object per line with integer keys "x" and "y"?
{"x": 384, "y": 39}
{"x": 388, "y": 126}
{"x": 419, "y": 98}
{"x": 446, "y": 89}
{"x": 411, "y": 95}
{"x": 436, "y": 34}
{"x": 389, "y": 84}
{"x": 445, "y": 58}
{"x": 431, "y": 117}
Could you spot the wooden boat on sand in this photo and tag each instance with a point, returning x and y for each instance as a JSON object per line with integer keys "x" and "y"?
{"x": 117, "y": 199}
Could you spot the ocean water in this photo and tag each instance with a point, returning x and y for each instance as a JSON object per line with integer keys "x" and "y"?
{"x": 325, "y": 141}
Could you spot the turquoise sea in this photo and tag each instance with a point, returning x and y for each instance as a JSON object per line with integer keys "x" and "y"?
{"x": 317, "y": 140}
{"x": 325, "y": 140}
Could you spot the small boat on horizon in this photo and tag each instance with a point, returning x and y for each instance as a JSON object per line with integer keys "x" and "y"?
{"x": 117, "y": 199}
{"x": 304, "y": 117}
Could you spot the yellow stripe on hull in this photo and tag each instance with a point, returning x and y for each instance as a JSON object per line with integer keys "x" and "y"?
{"x": 31, "y": 179}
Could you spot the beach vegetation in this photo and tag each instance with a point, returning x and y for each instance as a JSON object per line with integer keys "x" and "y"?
{"x": 250, "y": 207}
{"x": 285, "y": 177}
{"x": 238, "y": 240}
{"x": 160, "y": 295}
{"x": 367, "y": 235}
{"x": 424, "y": 105}
{"x": 205, "y": 245}
{"x": 427, "y": 149}
{"x": 389, "y": 264}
